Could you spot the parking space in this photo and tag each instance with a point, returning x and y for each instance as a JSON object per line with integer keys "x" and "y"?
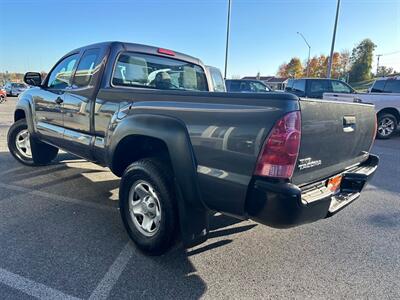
{"x": 61, "y": 237}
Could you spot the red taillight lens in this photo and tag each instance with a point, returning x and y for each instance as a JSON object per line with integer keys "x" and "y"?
{"x": 166, "y": 51}
{"x": 279, "y": 154}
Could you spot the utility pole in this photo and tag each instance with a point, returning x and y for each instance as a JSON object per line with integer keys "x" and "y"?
{"x": 309, "y": 51}
{"x": 377, "y": 65}
{"x": 228, "y": 26}
{"x": 328, "y": 74}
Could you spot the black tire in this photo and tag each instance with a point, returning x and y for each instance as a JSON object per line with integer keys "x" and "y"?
{"x": 159, "y": 176}
{"x": 41, "y": 153}
{"x": 383, "y": 134}
{"x": 2, "y": 99}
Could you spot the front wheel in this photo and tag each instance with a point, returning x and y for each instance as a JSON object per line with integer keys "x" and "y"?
{"x": 387, "y": 125}
{"x": 147, "y": 206}
{"x": 27, "y": 149}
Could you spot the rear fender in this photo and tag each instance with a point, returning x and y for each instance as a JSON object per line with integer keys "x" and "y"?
{"x": 192, "y": 212}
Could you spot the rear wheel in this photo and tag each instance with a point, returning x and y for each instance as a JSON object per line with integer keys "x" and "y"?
{"x": 147, "y": 206}
{"x": 2, "y": 98}
{"x": 387, "y": 126}
{"x": 27, "y": 149}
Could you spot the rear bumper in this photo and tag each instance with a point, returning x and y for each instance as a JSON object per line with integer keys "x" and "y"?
{"x": 284, "y": 205}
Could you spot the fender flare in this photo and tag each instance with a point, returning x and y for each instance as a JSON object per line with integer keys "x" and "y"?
{"x": 24, "y": 104}
{"x": 193, "y": 214}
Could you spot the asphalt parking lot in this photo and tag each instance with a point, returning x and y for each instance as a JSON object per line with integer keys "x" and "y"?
{"x": 61, "y": 237}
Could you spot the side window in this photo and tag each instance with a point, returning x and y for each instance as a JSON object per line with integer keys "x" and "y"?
{"x": 235, "y": 86}
{"x": 340, "y": 87}
{"x": 378, "y": 86}
{"x": 299, "y": 86}
{"x": 320, "y": 86}
{"x": 60, "y": 77}
{"x": 258, "y": 87}
{"x": 392, "y": 86}
{"x": 88, "y": 66}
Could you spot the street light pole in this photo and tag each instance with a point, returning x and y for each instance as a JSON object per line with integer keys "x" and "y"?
{"x": 309, "y": 51}
{"x": 228, "y": 26}
{"x": 377, "y": 65}
{"x": 328, "y": 74}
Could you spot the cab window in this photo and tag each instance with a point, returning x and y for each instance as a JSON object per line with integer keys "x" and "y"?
{"x": 151, "y": 71}
{"x": 88, "y": 66}
{"x": 61, "y": 75}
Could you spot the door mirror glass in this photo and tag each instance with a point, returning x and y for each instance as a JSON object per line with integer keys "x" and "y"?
{"x": 33, "y": 78}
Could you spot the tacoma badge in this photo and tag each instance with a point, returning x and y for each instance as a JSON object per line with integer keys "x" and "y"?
{"x": 306, "y": 163}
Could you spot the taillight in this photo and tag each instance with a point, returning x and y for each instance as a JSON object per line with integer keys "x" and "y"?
{"x": 166, "y": 51}
{"x": 279, "y": 154}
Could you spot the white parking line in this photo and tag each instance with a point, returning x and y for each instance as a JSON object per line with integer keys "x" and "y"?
{"x": 57, "y": 197}
{"x": 105, "y": 286}
{"x": 30, "y": 287}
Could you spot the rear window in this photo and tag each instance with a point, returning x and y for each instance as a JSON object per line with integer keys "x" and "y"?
{"x": 150, "y": 71}
{"x": 378, "y": 86}
{"x": 392, "y": 86}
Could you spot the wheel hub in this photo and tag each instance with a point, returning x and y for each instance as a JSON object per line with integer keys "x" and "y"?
{"x": 386, "y": 126}
{"x": 23, "y": 143}
{"x": 144, "y": 208}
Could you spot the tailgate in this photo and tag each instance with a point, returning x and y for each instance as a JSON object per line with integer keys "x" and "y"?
{"x": 334, "y": 137}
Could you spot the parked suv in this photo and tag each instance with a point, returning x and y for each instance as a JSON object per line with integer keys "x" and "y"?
{"x": 316, "y": 87}
{"x": 14, "y": 89}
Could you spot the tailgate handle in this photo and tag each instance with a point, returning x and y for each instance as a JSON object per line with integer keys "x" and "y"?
{"x": 349, "y": 123}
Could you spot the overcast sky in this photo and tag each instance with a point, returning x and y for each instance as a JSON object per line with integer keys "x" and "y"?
{"x": 35, "y": 34}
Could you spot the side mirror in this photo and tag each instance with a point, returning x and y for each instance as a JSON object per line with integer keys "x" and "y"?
{"x": 33, "y": 78}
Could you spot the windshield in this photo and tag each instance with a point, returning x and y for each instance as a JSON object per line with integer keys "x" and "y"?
{"x": 150, "y": 71}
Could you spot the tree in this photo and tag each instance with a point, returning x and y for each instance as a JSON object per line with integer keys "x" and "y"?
{"x": 384, "y": 71}
{"x": 293, "y": 69}
{"x": 344, "y": 63}
{"x": 361, "y": 59}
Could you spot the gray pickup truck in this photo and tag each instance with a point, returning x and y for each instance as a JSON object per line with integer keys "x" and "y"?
{"x": 182, "y": 151}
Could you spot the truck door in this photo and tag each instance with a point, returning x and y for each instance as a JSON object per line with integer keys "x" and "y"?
{"x": 78, "y": 104}
{"x": 48, "y": 100}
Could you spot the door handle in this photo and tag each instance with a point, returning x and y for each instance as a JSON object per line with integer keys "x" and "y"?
{"x": 59, "y": 100}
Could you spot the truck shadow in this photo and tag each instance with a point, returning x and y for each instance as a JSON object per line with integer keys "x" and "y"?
{"x": 385, "y": 220}
{"x": 169, "y": 276}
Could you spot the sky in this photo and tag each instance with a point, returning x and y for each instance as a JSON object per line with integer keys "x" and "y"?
{"x": 34, "y": 34}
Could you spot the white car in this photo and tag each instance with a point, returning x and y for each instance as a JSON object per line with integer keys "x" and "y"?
{"x": 385, "y": 95}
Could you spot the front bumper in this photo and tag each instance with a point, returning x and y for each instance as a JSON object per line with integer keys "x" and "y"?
{"x": 283, "y": 205}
